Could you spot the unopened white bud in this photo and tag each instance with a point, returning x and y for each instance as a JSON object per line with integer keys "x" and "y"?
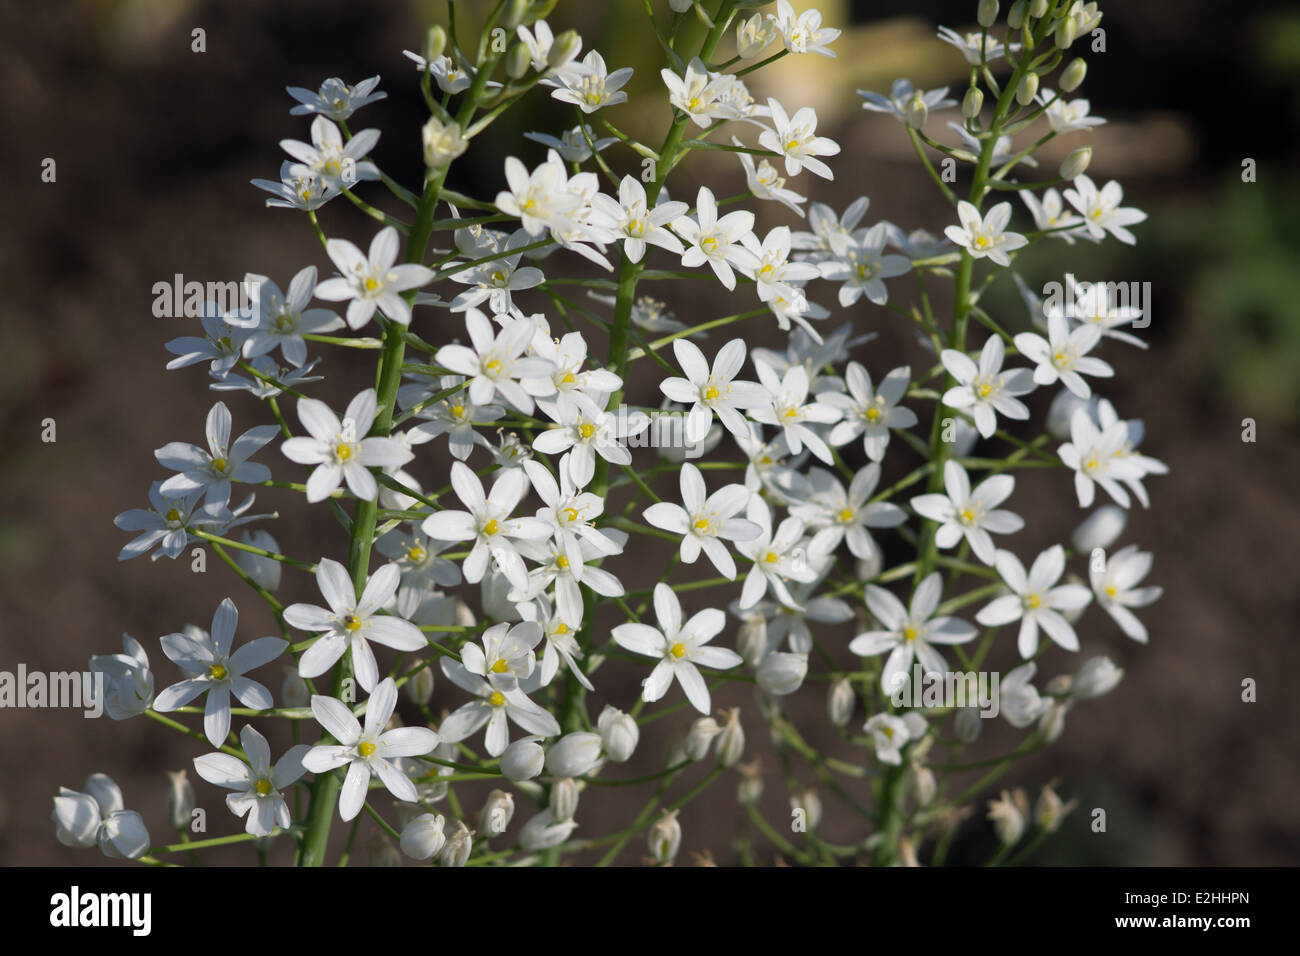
{"x": 1016, "y": 15}
{"x": 972, "y": 102}
{"x": 840, "y": 702}
{"x": 754, "y": 36}
{"x": 419, "y": 686}
{"x": 179, "y": 800}
{"x": 923, "y": 783}
{"x": 782, "y": 673}
{"x": 544, "y": 831}
{"x": 435, "y": 41}
{"x": 618, "y": 732}
{"x": 1008, "y": 816}
{"x": 458, "y": 847}
{"x": 699, "y": 737}
{"x": 811, "y": 804}
{"x": 665, "y": 838}
{"x": 1074, "y": 164}
{"x": 1051, "y": 810}
{"x": 574, "y": 755}
{"x": 1073, "y": 75}
{"x": 443, "y": 142}
{"x": 523, "y": 759}
{"x": 498, "y": 810}
{"x": 987, "y": 13}
{"x": 1100, "y": 529}
{"x": 731, "y": 742}
{"x": 518, "y": 60}
{"x": 1037, "y": 8}
{"x": 514, "y": 14}
{"x": 750, "y": 788}
{"x": 1096, "y": 677}
{"x": 423, "y": 838}
{"x": 751, "y": 641}
{"x": 564, "y": 798}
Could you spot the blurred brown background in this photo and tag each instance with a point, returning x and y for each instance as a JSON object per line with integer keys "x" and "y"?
{"x": 155, "y": 146}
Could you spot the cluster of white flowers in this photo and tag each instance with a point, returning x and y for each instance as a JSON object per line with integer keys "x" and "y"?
{"x": 524, "y": 660}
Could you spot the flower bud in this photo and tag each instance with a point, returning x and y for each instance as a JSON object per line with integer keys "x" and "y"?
{"x": 564, "y": 799}
{"x": 564, "y": 48}
{"x": 543, "y": 832}
{"x": 179, "y": 800}
{"x": 1052, "y": 723}
{"x": 811, "y": 804}
{"x": 619, "y": 733}
{"x": 754, "y": 36}
{"x": 923, "y": 783}
{"x": 523, "y": 759}
{"x": 465, "y": 615}
{"x": 866, "y": 569}
{"x": 574, "y": 755}
{"x": 972, "y": 102}
{"x": 442, "y": 143}
{"x": 293, "y": 689}
{"x": 1051, "y": 810}
{"x": 698, "y": 738}
{"x": 665, "y": 838}
{"x": 967, "y": 724}
{"x": 1065, "y": 33}
{"x": 498, "y": 810}
{"x": 518, "y": 60}
{"x": 1027, "y": 89}
{"x": 263, "y": 570}
{"x": 381, "y": 852}
{"x": 423, "y": 837}
{"x": 987, "y": 13}
{"x": 1073, "y": 75}
{"x": 435, "y": 41}
{"x": 782, "y": 673}
{"x": 514, "y": 14}
{"x": 840, "y": 702}
{"x": 458, "y": 847}
{"x": 1100, "y": 529}
{"x": 1074, "y": 164}
{"x": 751, "y": 642}
{"x": 419, "y": 686}
{"x": 1016, "y": 15}
{"x": 750, "y": 788}
{"x": 917, "y": 111}
{"x": 1096, "y": 677}
{"x": 1037, "y": 8}
{"x": 1008, "y": 816}
{"x": 731, "y": 742}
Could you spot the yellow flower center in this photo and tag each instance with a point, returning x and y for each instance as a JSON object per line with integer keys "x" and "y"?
{"x": 499, "y": 666}
{"x": 172, "y": 515}
{"x": 567, "y": 379}
{"x": 910, "y": 634}
{"x": 491, "y": 527}
{"x": 365, "y": 748}
{"x": 984, "y": 390}
{"x": 263, "y": 787}
{"x": 493, "y": 366}
{"x": 846, "y": 515}
{"x": 872, "y": 414}
{"x": 498, "y": 277}
{"x": 343, "y": 451}
{"x": 1033, "y": 602}
{"x": 458, "y": 411}
{"x": 586, "y": 429}
{"x": 561, "y": 628}
{"x": 220, "y": 464}
{"x": 352, "y": 623}
{"x": 561, "y": 561}
{"x": 702, "y": 524}
{"x": 771, "y": 557}
{"x": 571, "y": 514}
{"x": 968, "y": 516}
{"x": 709, "y": 244}
{"x": 497, "y": 699}
{"x": 888, "y": 731}
{"x": 711, "y": 393}
{"x": 415, "y": 553}
{"x": 1110, "y": 590}
{"x": 217, "y": 672}
{"x": 371, "y": 284}
{"x": 678, "y": 650}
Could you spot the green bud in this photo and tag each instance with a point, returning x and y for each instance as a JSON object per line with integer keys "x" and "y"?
{"x": 972, "y": 103}
{"x": 1073, "y": 75}
{"x": 1038, "y": 8}
{"x": 515, "y": 12}
{"x": 1016, "y": 16}
{"x": 1065, "y": 33}
{"x": 1074, "y": 164}
{"x": 517, "y": 61}
{"x": 435, "y": 41}
{"x": 1027, "y": 88}
{"x": 916, "y": 111}
{"x": 988, "y": 13}
{"x": 564, "y": 49}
